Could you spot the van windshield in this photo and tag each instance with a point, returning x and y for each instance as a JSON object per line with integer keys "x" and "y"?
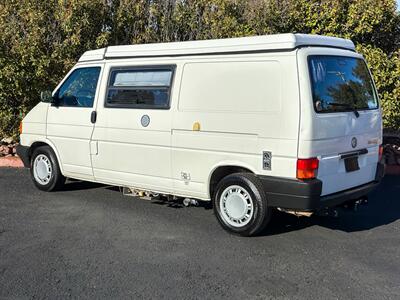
{"x": 341, "y": 84}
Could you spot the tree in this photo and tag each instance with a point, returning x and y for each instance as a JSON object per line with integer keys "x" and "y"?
{"x": 41, "y": 40}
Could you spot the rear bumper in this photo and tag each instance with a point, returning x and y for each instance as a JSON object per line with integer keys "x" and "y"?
{"x": 23, "y": 153}
{"x": 306, "y": 195}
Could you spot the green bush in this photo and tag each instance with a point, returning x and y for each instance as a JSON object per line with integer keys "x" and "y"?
{"x": 386, "y": 72}
{"x": 41, "y": 40}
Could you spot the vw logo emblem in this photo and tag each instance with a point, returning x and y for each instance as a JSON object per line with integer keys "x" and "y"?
{"x": 145, "y": 120}
{"x": 354, "y": 142}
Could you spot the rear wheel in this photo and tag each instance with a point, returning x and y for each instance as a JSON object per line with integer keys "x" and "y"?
{"x": 240, "y": 204}
{"x": 45, "y": 171}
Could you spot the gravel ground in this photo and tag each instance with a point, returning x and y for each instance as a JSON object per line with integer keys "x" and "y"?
{"x": 89, "y": 241}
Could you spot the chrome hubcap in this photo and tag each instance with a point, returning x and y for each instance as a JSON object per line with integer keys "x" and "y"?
{"x": 236, "y": 206}
{"x": 42, "y": 169}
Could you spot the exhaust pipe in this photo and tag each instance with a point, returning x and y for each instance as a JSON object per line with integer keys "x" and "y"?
{"x": 296, "y": 213}
{"x": 354, "y": 205}
{"x": 190, "y": 202}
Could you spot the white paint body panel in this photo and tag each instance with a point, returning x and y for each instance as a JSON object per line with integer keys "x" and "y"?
{"x": 70, "y": 130}
{"x": 231, "y": 132}
{"x": 245, "y": 104}
{"x": 34, "y": 125}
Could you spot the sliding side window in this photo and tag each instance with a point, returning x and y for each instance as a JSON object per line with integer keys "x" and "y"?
{"x": 140, "y": 88}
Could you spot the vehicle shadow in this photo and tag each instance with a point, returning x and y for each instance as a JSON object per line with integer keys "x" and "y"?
{"x": 78, "y": 185}
{"x": 178, "y": 203}
{"x": 171, "y": 204}
{"x": 383, "y": 208}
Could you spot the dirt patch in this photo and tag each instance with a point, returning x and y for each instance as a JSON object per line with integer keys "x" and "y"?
{"x": 11, "y": 162}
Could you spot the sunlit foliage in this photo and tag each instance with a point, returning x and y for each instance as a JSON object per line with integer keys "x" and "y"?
{"x": 41, "y": 40}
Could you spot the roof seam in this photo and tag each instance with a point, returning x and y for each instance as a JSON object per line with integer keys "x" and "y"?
{"x": 257, "y": 44}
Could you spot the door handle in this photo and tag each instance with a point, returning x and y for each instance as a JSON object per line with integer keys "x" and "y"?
{"x": 93, "y": 117}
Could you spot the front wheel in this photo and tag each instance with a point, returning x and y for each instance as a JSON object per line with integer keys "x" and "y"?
{"x": 45, "y": 171}
{"x": 240, "y": 204}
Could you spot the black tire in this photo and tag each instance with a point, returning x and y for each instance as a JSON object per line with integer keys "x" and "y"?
{"x": 56, "y": 180}
{"x": 261, "y": 212}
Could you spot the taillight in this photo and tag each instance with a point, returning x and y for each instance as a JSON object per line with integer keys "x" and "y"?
{"x": 307, "y": 168}
{"x": 20, "y": 127}
{"x": 380, "y": 152}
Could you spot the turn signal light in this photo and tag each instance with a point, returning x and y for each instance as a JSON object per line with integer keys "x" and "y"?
{"x": 307, "y": 168}
{"x": 20, "y": 127}
{"x": 380, "y": 152}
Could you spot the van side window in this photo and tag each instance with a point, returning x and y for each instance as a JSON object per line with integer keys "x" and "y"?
{"x": 79, "y": 89}
{"x": 140, "y": 88}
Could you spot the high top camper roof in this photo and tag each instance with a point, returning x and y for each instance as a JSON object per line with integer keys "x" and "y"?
{"x": 277, "y": 42}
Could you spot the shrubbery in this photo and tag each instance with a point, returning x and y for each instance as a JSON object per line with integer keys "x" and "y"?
{"x": 41, "y": 40}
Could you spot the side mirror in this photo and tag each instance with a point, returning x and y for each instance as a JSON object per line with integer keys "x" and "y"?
{"x": 46, "y": 97}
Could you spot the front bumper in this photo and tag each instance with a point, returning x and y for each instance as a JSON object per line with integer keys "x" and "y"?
{"x": 306, "y": 195}
{"x": 23, "y": 153}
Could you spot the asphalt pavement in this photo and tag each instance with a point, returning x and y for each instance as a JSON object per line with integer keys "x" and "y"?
{"x": 90, "y": 241}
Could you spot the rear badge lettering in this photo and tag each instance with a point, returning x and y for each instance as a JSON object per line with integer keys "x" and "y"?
{"x": 373, "y": 142}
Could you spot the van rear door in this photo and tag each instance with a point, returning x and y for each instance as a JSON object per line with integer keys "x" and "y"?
{"x": 340, "y": 121}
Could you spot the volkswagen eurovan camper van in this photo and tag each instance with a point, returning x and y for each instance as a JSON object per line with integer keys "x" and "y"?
{"x": 289, "y": 122}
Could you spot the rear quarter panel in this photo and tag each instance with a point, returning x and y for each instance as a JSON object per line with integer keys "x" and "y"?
{"x": 234, "y": 137}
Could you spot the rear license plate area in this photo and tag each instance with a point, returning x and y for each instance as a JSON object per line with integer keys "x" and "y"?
{"x": 351, "y": 164}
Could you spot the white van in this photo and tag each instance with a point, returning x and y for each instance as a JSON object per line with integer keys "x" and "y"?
{"x": 287, "y": 121}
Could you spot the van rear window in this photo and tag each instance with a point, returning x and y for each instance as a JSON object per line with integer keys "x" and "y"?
{"x": 341, "y": 84}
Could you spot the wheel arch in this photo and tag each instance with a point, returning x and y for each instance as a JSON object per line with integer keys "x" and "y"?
{"x": 40, "y": 143}
{"x": 222, "y": 170}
